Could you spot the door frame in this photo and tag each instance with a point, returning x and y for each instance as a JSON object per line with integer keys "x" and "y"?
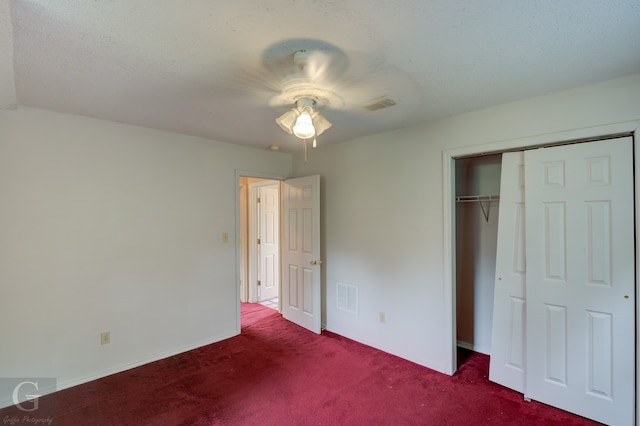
{"x": 448, "y": 209}
{"x": 254, "y": 218}
{"x": 236, "y": 183}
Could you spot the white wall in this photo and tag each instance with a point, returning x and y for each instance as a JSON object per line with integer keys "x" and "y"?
{"x": 105, "y": 226}
{"x": 7, "y": 80}
{"x": 476, "y": 242}
{"x": 383, "y": 225}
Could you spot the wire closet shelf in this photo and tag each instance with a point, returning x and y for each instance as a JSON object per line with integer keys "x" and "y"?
{"x": 479, "y": 199}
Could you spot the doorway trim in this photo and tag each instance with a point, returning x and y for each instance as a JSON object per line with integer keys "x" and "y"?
{"x": 238, "y": 174}
{"x": 448, "y": 209}
{"x": 254, "y": 223}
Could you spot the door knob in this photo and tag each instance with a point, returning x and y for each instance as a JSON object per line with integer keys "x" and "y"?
{"x": 316, "y": 262}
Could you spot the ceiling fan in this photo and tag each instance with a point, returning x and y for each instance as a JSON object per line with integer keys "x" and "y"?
{"x": 309, "y": 77}
{"x": 306, "y": 91}
{"x": 317, "y": 79}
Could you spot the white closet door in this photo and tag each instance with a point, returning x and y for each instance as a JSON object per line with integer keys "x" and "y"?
{"x": 507, "y": 364}
{"x": 580, "y": 279}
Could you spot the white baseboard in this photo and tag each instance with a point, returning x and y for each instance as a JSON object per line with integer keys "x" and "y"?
{"x": 464, "y": 345}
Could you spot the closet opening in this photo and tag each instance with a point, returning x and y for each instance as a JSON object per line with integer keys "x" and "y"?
{"x": 571, "y": 327}
{"x": 477, "y": 189}
{"x": 468, "y": 187}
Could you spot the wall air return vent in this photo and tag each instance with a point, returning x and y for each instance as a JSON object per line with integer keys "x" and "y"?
{"x": 347, "y": 297}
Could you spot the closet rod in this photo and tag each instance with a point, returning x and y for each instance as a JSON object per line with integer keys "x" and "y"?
{"x": 476, "y": 198}
{"x": 481, "y": 199}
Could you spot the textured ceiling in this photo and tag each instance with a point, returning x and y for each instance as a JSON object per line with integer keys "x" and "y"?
{"x": 210, "y": 68}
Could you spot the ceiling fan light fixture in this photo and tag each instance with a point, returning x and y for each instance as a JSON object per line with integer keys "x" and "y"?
{"x": 303, "y": 128}
{"x": 320, "y": 123}
{"x": 303, "y": 122}
{"x": 287, "y": 120}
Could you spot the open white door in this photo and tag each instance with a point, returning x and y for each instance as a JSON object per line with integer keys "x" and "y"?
{"x": 269, "y": 248}
{"x": 507, "y": 363}
{"x": 301, "y": 302}
{"x": 580, "y": 279}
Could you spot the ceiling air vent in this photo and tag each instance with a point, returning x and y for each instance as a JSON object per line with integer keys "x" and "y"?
{"x": 380, "y": 103}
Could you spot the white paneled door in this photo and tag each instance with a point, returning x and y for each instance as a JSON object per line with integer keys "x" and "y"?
{"x": 301, "y": 302}
{"x": 269, "y": 217}
{"x": 507, "y": 363}
{"x": 580, "y": 317}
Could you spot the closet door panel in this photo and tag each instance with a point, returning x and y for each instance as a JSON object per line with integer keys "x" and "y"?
{"x": 508, "y": 337}
{"x": 580, "y": 279}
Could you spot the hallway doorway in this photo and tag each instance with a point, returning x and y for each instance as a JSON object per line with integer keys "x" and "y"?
{"x": 260, "y": 241}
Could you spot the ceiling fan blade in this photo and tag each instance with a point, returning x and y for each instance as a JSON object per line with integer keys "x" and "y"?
{"x": 378, "y": 90}
{"x": 324, "y": 67}
{"x": 250, "y": 79}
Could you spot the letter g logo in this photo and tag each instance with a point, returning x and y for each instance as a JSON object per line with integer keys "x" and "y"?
{"x": 33, "y": 399}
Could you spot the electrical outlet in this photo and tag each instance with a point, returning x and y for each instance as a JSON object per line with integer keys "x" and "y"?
{"x": 105, "y": 337}
{"x": 382, "y": 317}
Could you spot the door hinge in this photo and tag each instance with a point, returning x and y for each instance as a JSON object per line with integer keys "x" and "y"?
{"x": 257, "y": 199}
{"x": 258, "y": 283}
{"x": 258, "y": 241}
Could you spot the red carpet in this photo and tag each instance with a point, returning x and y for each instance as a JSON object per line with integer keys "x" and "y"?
{"x": 276, "y": 373}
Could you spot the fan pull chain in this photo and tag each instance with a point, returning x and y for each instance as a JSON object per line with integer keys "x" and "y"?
{"x": 305, "y": 150}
